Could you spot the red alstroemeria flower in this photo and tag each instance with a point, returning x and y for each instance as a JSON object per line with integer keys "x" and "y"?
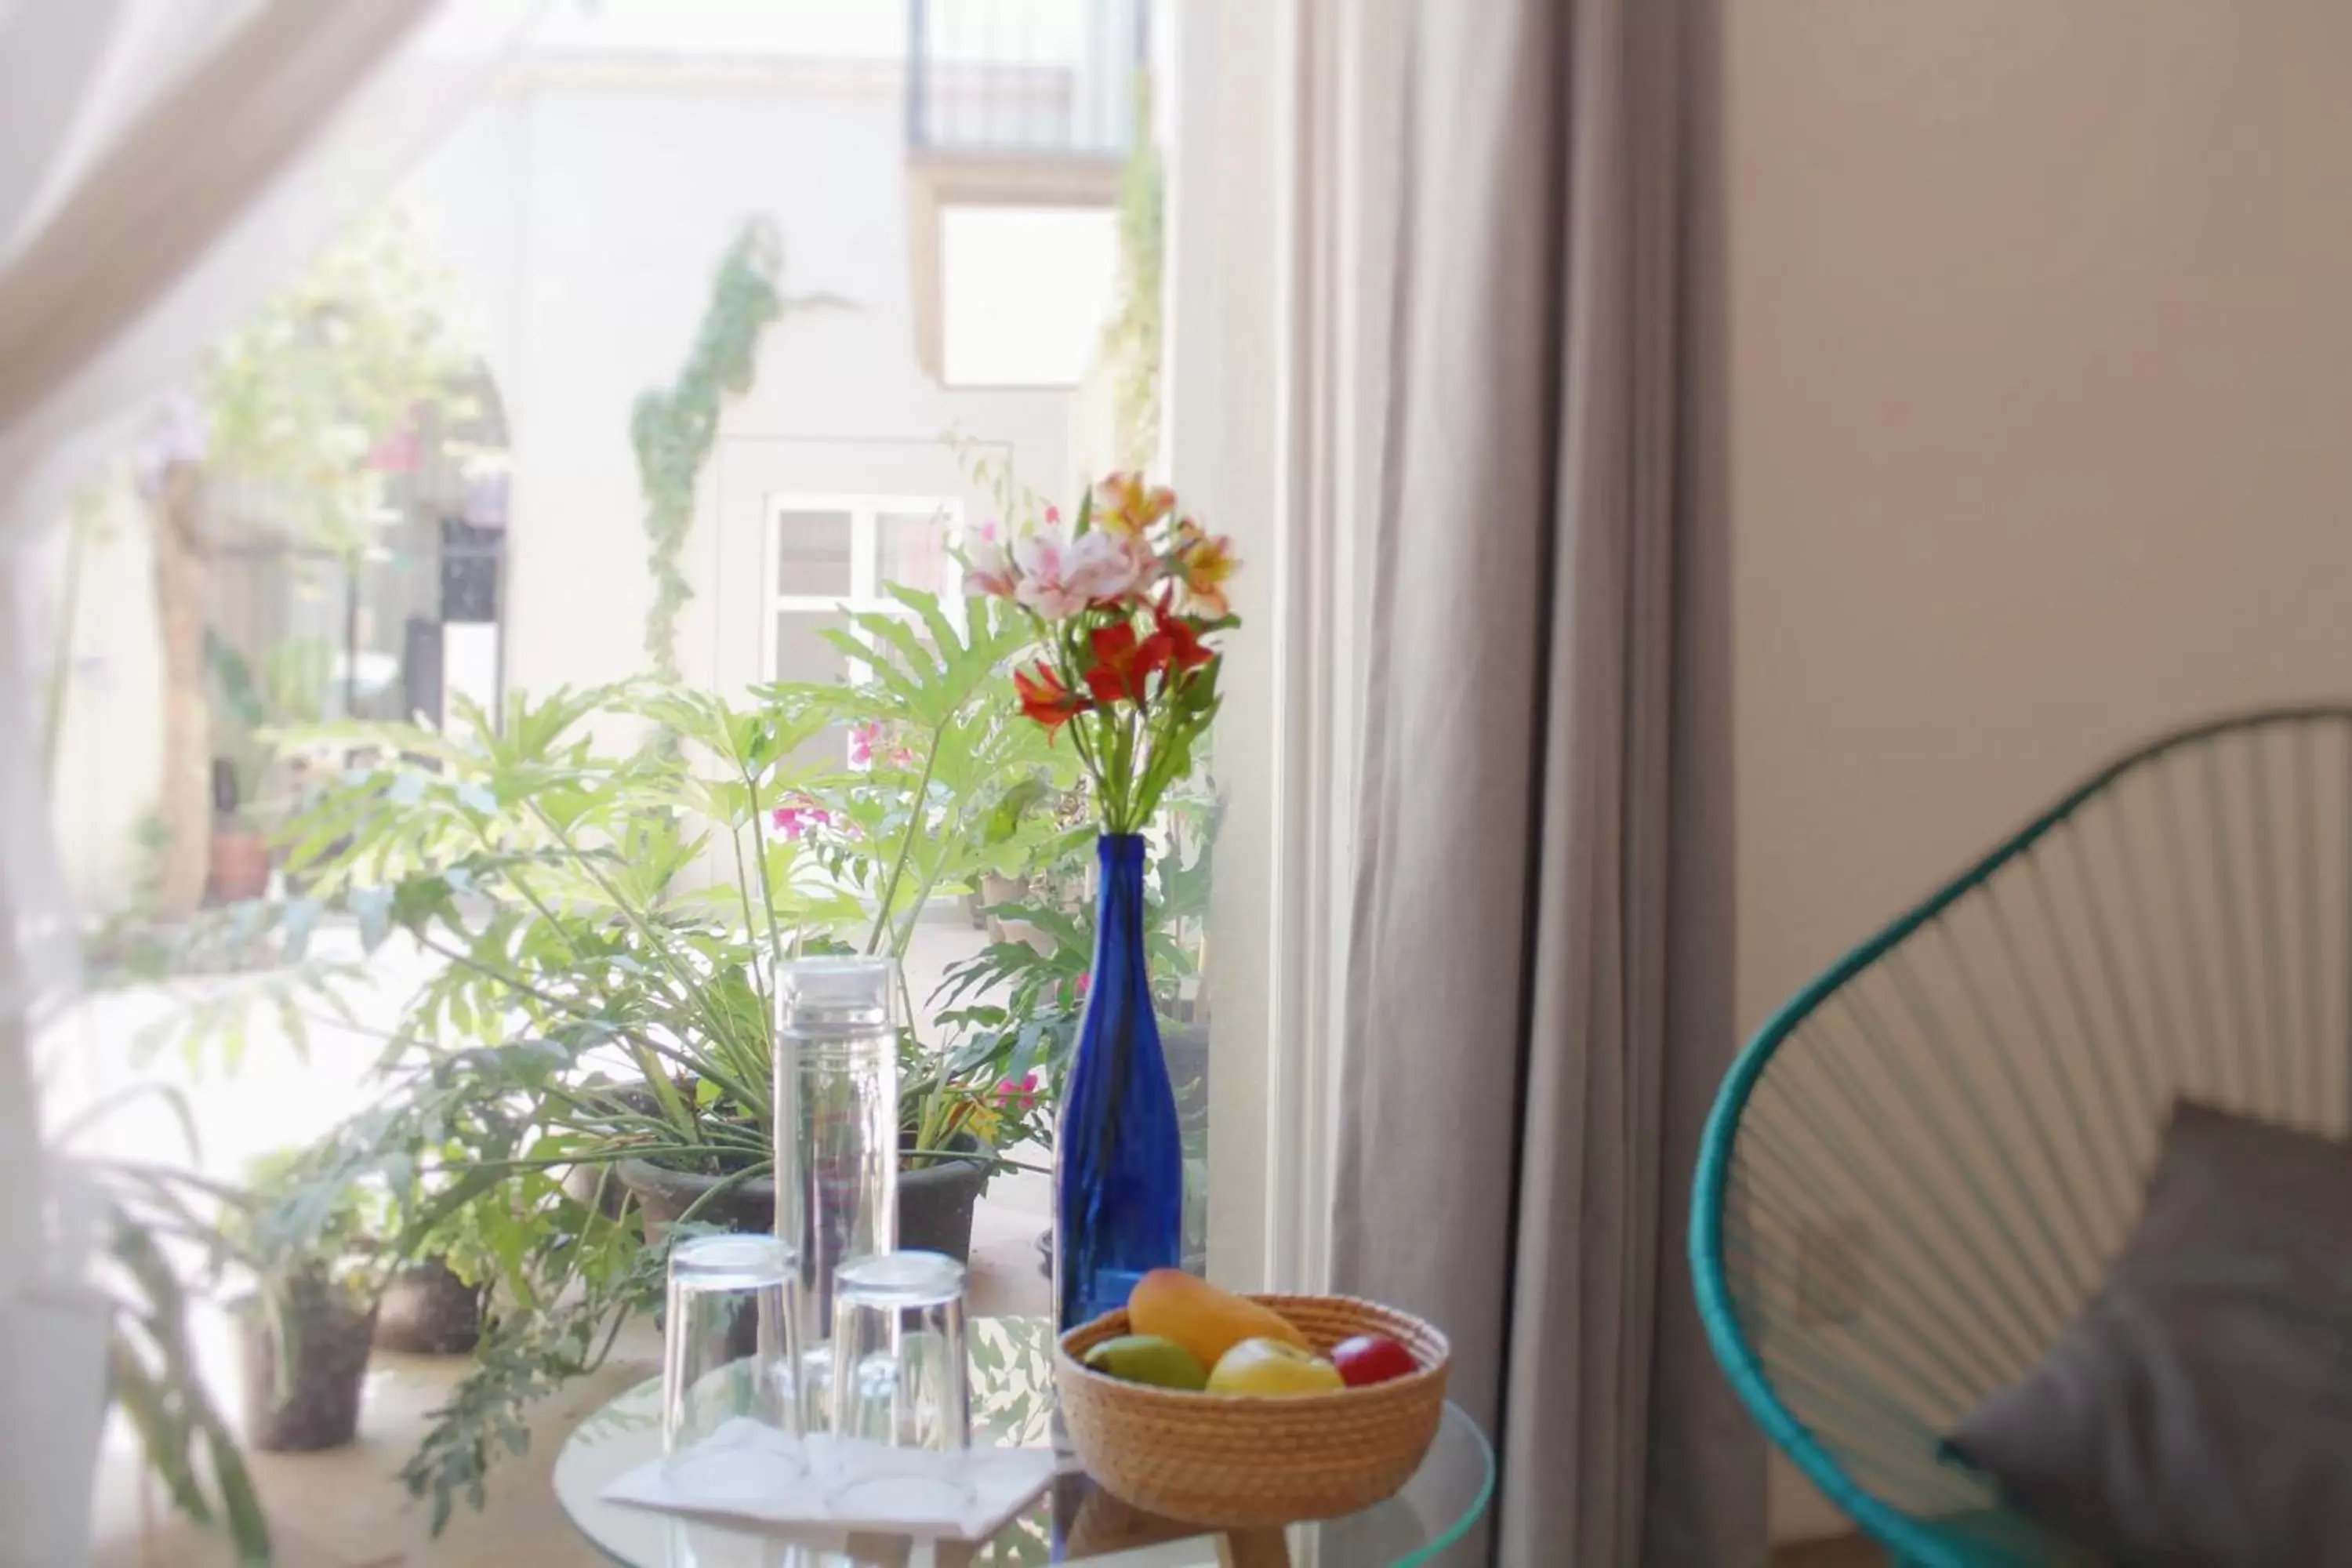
{"x": 1124, "y": 665}
{"x": 1185, "y": 648}
{"x": 1044, "y": 699}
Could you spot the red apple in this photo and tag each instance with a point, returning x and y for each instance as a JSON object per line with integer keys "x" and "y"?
{"x": 1371, "y": 1358}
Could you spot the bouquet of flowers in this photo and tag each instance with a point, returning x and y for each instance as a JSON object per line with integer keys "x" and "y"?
{"x": 1122, "y": 599}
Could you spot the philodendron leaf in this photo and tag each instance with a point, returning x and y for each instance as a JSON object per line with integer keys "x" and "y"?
{"x": 1004, "y": 817}
{"x": 372, "y": 906}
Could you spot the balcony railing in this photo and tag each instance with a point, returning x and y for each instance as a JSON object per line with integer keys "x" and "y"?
{"x": 1025, "y": 78}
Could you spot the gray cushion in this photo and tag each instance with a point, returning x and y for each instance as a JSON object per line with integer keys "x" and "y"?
{"x": 2199, "y": 1413}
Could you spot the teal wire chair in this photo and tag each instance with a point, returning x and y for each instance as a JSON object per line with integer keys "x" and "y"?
{"x": 1920, "y": 1167}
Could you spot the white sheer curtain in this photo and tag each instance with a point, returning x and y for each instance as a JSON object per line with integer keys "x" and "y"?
{"x": 162, "y": 163}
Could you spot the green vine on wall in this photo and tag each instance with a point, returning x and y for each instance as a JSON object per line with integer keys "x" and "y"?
{"x": 1132, "y": 339}
{"x": 674, "y": 431}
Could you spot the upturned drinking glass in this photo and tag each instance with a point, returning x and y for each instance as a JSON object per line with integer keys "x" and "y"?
{"x": 901, "y": 1381}
{"x": 837, "y": 1134}
{"x": 731, "y": 1422}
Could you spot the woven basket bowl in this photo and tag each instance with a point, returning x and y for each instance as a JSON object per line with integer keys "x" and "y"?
{"x": 1234, "y": 1461}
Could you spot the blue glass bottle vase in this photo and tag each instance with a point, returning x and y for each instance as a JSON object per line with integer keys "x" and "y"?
{"x": 1119, "y": 1177}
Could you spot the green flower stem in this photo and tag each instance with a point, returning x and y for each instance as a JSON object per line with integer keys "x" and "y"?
{"x": 906, "y": 843}
{"x": 767, "y": 889}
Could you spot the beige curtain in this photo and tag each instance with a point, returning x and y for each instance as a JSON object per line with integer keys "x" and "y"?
{"x": 1541, "y": 969}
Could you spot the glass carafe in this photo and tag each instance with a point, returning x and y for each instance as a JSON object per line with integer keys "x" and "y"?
{"x": 837, "y": 1134}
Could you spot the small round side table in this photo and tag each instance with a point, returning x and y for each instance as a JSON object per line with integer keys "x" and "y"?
{"x": 1012, "y": 1383}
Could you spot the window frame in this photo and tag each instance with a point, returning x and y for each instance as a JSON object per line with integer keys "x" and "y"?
{"x": 865, "y": 510}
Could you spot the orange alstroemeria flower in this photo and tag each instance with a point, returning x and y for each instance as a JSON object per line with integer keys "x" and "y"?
{"x": 1123, "y": 664}
{"x": 1124, "y": 504}
{"x": 1044, "y": 699}
{"x": 1206, "y": 562}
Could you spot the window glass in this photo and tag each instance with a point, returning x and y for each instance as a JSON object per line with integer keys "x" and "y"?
{"x": 803, "y": 651}
{"x": 816, "y": 554}
{"x": 912, "y": 549}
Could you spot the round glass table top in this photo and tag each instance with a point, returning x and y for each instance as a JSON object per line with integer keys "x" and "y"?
{"x": 1075, "y": 1521}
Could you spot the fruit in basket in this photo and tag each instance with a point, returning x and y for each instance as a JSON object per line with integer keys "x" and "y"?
{"x": 1204, "y": 1320}
{"x": 1274, "y": 1369}
{"x": 1368, "y": 1359}
{"x": 1148, "y": 1358}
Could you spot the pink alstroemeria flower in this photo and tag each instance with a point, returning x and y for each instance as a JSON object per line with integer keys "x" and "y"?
{"x": 1110, "y": 567}
{"x": 989, "y": 572}
{"x": 1043, "y": 557}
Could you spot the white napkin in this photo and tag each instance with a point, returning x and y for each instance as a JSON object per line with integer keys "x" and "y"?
{"x": 749, "y": 1471}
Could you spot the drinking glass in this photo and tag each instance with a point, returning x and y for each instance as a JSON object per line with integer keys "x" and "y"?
{"x": 731, "y": 1418}
{"x": 899, "y": 1380}
{"x": 837, "y": 1134}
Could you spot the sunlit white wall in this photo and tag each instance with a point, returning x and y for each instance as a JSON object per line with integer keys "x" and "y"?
{"x": 586, "y": 214}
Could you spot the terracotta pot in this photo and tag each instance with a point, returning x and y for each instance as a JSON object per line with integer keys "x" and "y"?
{"x": 306, "y": 1397}
{"x": 237, "y": 866}
{"x": 428, "y": 1311}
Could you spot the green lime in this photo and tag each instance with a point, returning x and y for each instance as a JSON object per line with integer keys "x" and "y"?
{"x": 1148, "y": 1358}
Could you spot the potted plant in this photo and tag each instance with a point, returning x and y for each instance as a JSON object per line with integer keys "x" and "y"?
{"x": 316, "y": 1253}
{"x": 236, "y": 864}
{"x": 956, "y": 1111}
{"x": 606, "y": 917}
{"x": 284, "y": 692}
{"x": 429, "y": 1309}
{"x": 433, "y": 1302}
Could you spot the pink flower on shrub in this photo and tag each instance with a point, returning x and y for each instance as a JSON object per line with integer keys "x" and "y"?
{"x": 873, "y": 739}
{"x": 796, "y": 818}
{"x": 1018, "y": 1096}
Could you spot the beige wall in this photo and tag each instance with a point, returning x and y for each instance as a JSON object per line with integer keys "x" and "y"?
{"x": 2042, "y": 369}
{"x": 585, "y": 212}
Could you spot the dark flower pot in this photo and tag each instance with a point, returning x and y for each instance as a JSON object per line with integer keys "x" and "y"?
{"x": 428, "y": 1311}
{"x": 590, "y": 1187}
{"x": 665, "y": 1195}
{"x": 935, "y": 1199}
{"x": 305, "y": 1398}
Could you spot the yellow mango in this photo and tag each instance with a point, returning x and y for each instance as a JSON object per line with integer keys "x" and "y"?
{"x": 1204, "y": 1320}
